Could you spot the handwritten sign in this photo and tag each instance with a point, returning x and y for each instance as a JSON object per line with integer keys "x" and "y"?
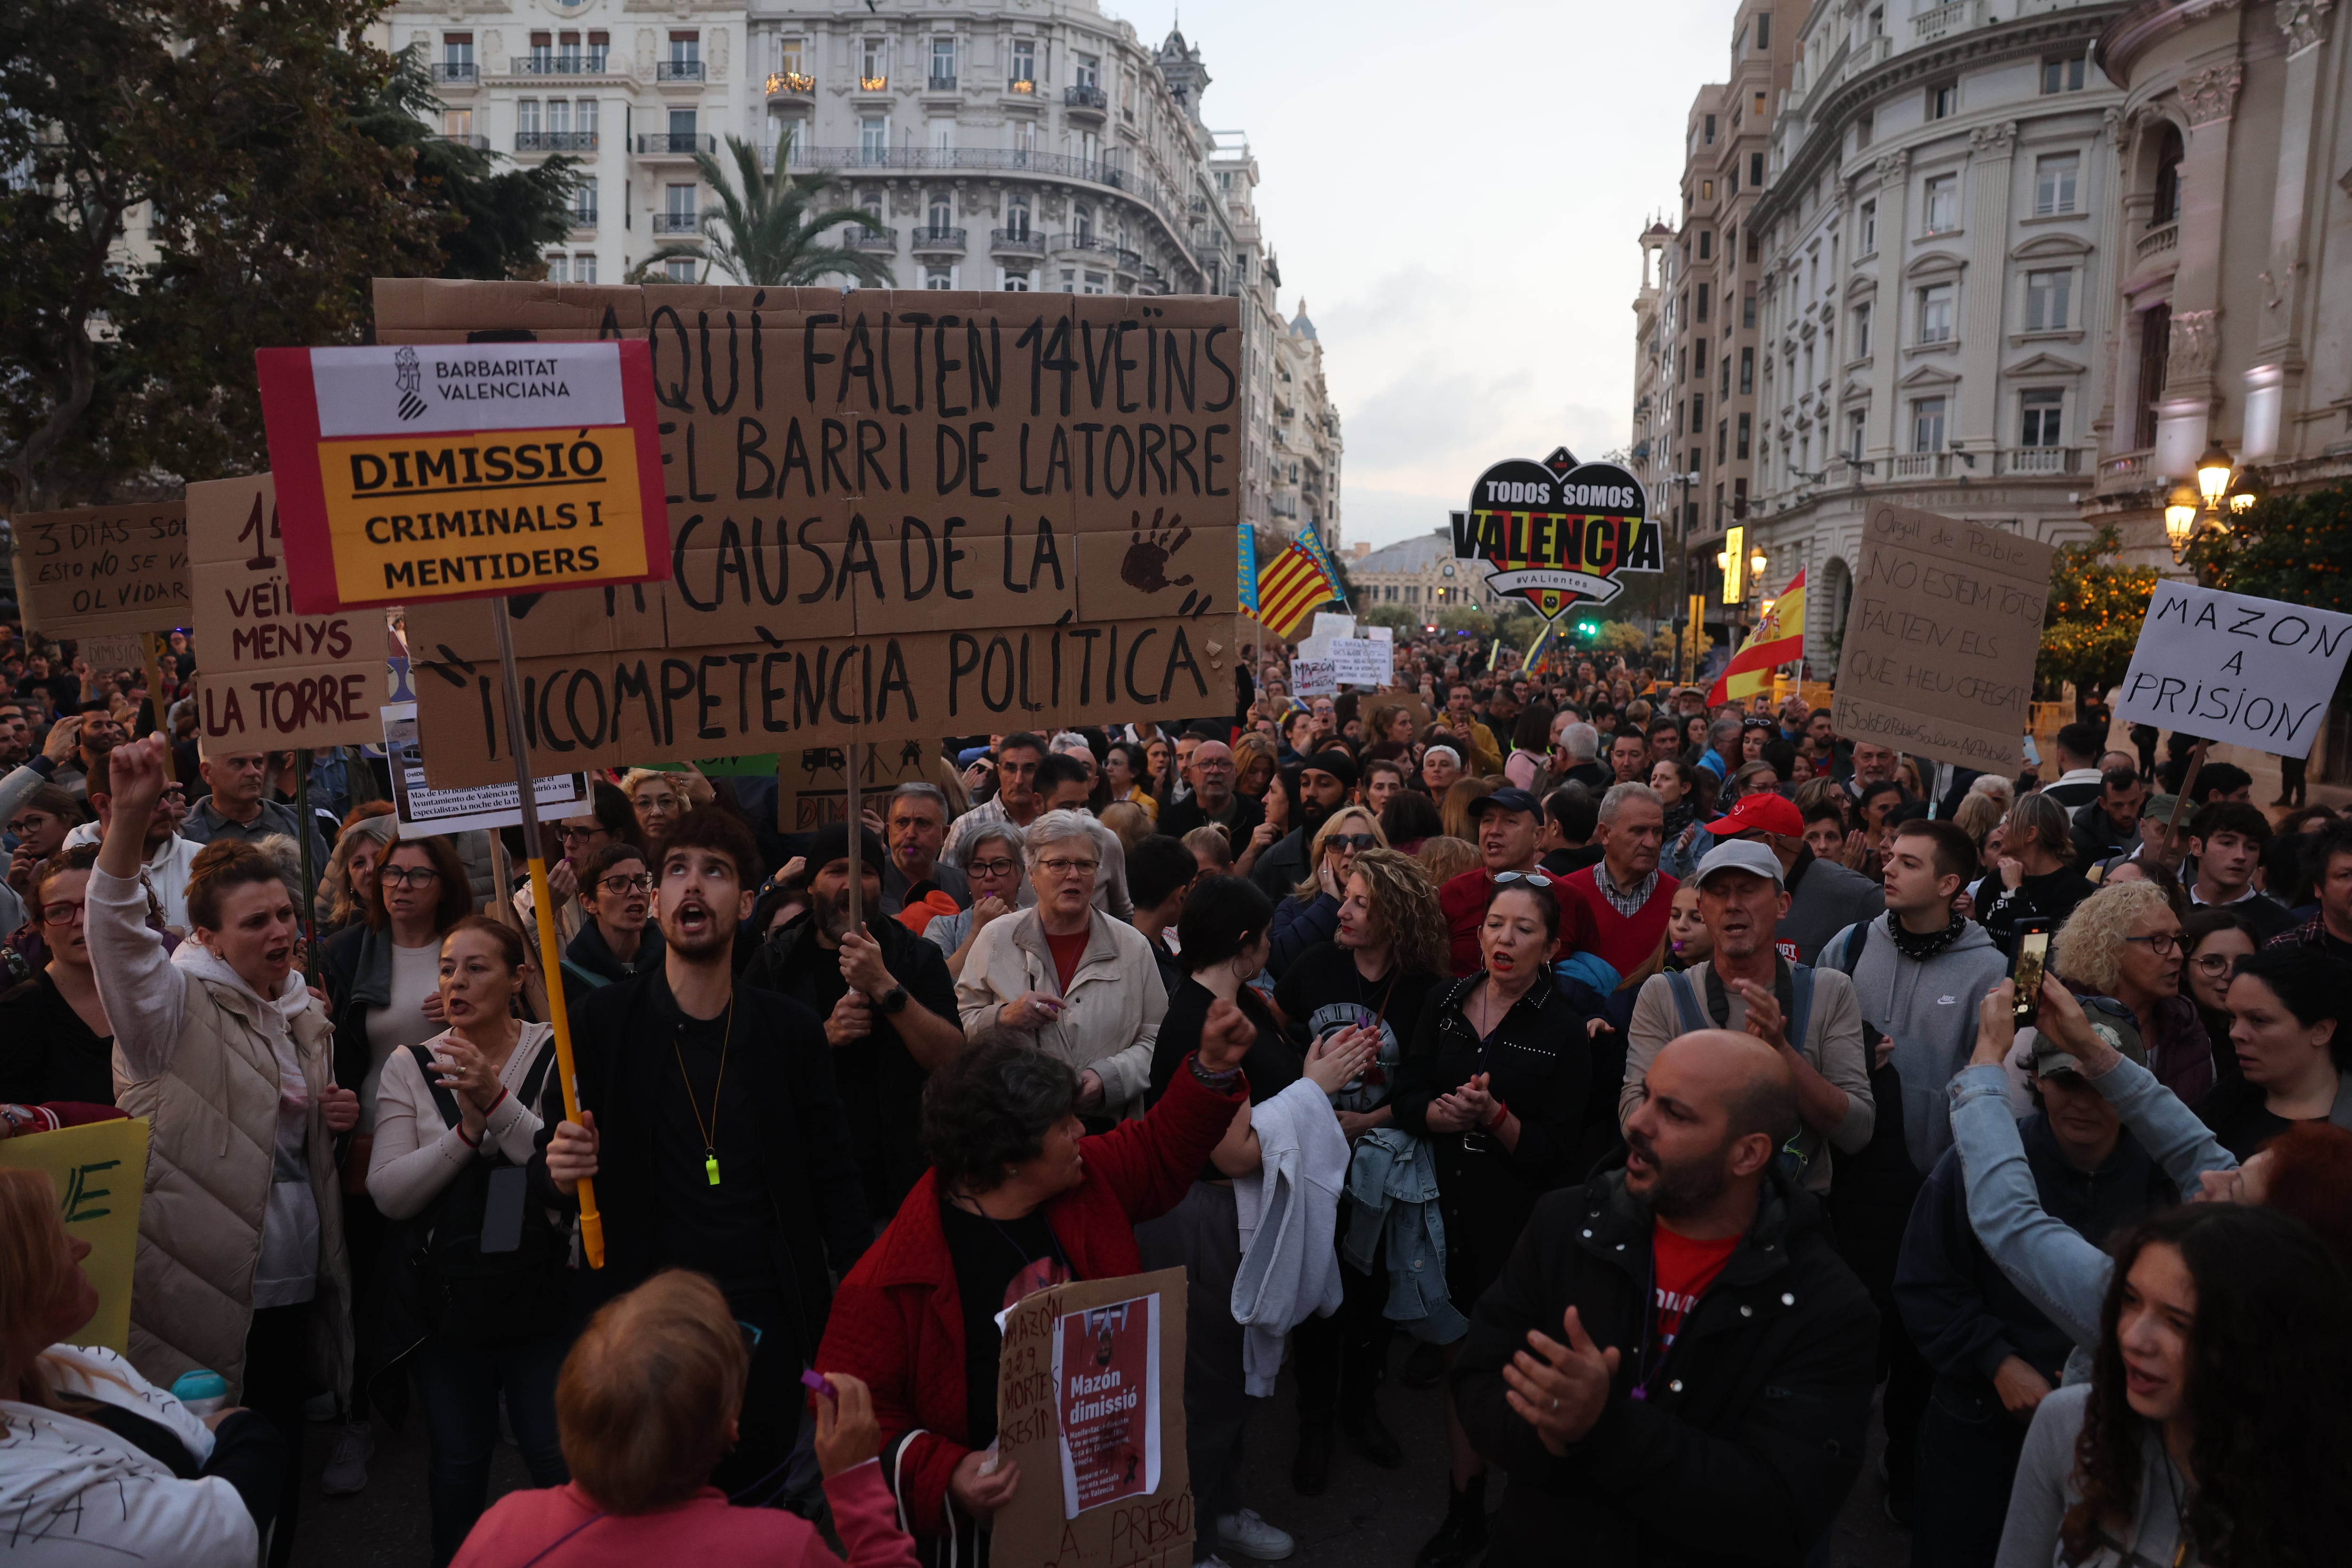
{"x": 271, "y": 679}
{"x": 2236, "y": 669}
{"x": 1360, "y": 662}
{"x": 103, "y": 569}
{"x": 461, "y": 471}
{"x": 109, "y": 651}
{"x": 1089, "y": 1402}
{"x": 1313, "y": 678}
{"x": 812, "y": 783}
{"x": 894, "y": 515}
{"x": 101, "y": 1171}
{"x": 1941, "y": 638}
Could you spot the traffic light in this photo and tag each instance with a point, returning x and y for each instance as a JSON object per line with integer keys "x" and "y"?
{"x": 1588, "y": 630}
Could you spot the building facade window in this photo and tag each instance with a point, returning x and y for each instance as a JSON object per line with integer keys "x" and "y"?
{"x": 944, "y": 64}
{"x": 1706, "y": 245}
{"x": 680, "y": 269}
{"x": 2041, "y": 409}
{"x": 1025, "y": 63}
{"x": 939, "y": 276}
{"x": 1936, "y": 312}
{"x": 1747, "y": 371}
{"x": 2053, "y": 183}
{"x": 1701, "y": 317}
{"x": 1861, "y": 332}
{"x": 1869, "y": 246}
{"x": 874, "y": 139}
{"x": 874, "y": 64}
{"x": 1854, "y": 424}
{"x": 1944, "y": 100}
{"x": 2063, "y": 74}
{"x": 2047, "y": 300}
{"x": 1927, "y": 425}
{"x": 1746, "y": 434}
{"x": 1942, "y": 207}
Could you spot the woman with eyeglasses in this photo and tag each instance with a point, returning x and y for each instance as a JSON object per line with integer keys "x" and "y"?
{"x": 2212, "y": 940}
{"x": 620, "y": 938}
{"x": 56, "y": 1042}
{"x": 456, "y": 1135}
{"x": 2286, "y": 1031}
{"x": 608, "y": 820}
{"x": 1311, "y": 914}
{"x": 1499, "y": 1078}
{"x": 2124, "y": 942}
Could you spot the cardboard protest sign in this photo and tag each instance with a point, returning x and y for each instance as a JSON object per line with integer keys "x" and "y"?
{"x": 1559, "y": 531}
{"x": 407, "y": 474}
{"x": 1941, "y": 638}
{"x": 103, "y": 569}
{"x": 271, "y": 679}
{"x": 101, "y": 1171}
{"x": 2235, "y": 669}
{"x": 424, "y": 811}
{"x": 1313, "y": 678}
{"x": 1090, "y": 1405}
{"x": 108, "y": 651}
{"x": 1360, "y": 662}
{"x": 812, "y": 783}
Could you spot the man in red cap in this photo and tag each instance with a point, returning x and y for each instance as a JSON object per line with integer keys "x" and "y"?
{"x": 1824, "y": 898}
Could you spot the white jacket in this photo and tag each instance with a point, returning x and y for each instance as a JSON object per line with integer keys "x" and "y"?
{"x": 74, "y": 1495}
{"x": 1115, "y": 999}
{"x": 1289, "y": 1211}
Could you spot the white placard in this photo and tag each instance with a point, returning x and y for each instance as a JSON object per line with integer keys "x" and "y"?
{"x": 1358, "y": 661}
{"x": 424, "y": 811}
{"x": 439, "y": 388}
{"x": 1330, "y": 624}
{"x": 1312, "y": 678}
{"x": 2235, "y": 670}
{"x": 108, "y": 651}
{"x": 1380, "y": 634}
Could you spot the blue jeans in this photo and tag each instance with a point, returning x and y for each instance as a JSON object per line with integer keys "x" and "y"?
{"x": 460, "y": 1392}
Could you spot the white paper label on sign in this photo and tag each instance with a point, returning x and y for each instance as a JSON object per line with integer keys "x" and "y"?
{"x": 466, "y": 386}
{"x": 2237, "y": 670}
{"x": 110, "y": 651}
{"x": 1330, "y": 624}
{"x": 1361, "y": 662}
{"x": 425, "y": 810}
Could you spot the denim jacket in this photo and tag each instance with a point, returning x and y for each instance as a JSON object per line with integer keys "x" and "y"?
{"x": 2059, "y": 1271}
{"x": 1392, "y": 1192}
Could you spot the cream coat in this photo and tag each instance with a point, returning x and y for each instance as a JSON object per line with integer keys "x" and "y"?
{"x": 1115, "y": 999}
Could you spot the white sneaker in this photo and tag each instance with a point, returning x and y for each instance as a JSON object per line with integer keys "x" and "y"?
{"x": 1246, "y": 1533}
{"x": 349, "y": 1448}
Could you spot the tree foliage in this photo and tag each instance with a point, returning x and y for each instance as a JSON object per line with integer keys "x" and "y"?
{"x": 2093, "y": 621}
{"x": 190, "y": 180}
{"x": 2297, "y": 548}
{"x": 767, "y": 229}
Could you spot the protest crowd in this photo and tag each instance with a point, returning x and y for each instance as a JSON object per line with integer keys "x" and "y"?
{"x": 1648, "y": 1074}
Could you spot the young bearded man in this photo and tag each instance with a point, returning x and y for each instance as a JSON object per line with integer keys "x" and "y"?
{"x": 1627, "y": 895}
{"x": 1325, "y": 783}
{"x": 1808, "y": 1017}
{"x": 1675, "y": 1366}
{"x": 710, "y": 1117}
{"x": 2227, "y": 840}
{"x": 887, "y": 999}
{"x": 2110, "y": 825}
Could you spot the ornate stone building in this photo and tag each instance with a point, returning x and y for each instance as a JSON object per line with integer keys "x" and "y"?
{"x": 1305, "y": 445}
{"x": 1420, "y": 576}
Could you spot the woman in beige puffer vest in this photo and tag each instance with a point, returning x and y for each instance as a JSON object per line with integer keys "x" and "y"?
{"x": 241, "y": 1265}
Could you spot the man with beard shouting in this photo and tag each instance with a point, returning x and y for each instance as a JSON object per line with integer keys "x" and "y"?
{"x": 888, "y": 1002}
{"x": 1679, "y": 1330}
{"x": 709, "y": 1121}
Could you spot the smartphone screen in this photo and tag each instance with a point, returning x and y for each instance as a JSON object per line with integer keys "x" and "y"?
{"x": 2033, "y": 953}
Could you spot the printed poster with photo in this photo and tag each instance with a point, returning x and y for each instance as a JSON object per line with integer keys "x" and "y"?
{"x": 1107, "y": 1381}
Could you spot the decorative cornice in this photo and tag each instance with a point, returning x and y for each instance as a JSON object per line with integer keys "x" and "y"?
{"x": 2129, "y": 35}
{"x": 1997, "y": 140}
{"x": 2212, "y": 94}
{"x": 2305, "y": 22}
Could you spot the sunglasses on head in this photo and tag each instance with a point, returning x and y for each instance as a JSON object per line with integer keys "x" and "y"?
{"x": 1532, "y": 878}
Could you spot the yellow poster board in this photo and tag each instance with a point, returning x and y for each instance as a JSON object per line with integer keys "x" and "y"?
{"x": 101, "y": 1171}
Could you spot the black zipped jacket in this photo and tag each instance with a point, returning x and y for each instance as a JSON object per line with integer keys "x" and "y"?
{"x": 1752, "y": 1429}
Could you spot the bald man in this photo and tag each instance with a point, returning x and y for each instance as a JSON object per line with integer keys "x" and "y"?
{"x": 1209, "y": 772}
{"x": 1675, "y": 1366}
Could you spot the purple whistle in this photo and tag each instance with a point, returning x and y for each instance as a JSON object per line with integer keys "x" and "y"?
{"x": 817, "y": 1382}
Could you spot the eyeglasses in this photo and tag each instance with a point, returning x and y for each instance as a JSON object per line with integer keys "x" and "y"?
{"x": 1532, "y": 878}
{"x": 409, "y": 876}
{"x": 642, "y": 882}
{"x": 1352, "y": 841}
{"x": 2163, "y": 943}
{"x": 580, "y": 834}
{"x": 999, "y": 867}
{"x": 61, "y": 914}
{"x": 2214, "y": 963}
{"x": 1060, "y": 868}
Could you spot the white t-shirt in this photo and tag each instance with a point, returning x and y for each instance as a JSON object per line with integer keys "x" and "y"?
{"x": 415, "y": 977}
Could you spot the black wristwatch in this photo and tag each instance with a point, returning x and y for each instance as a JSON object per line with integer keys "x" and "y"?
{"x": 895, "y": 999}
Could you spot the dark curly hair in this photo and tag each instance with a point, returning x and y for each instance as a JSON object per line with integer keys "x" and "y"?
{"x": 2268, "y": 1395}
{"x": 991, "y": 1108}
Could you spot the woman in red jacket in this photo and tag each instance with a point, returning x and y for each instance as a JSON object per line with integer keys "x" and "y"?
{"x": 1016, "y": 1199}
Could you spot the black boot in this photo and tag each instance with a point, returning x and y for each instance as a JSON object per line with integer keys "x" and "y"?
{"x": 1310, "y": 1472}
{"x": 1464, "y": 1534}
{"x": 1371, "y": 1436}
{"x": 1425, "y": 1365}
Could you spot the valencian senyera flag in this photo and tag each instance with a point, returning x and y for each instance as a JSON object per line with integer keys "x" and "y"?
{"x": 1779, "y": 638}
{"x": 1292, "y": 584}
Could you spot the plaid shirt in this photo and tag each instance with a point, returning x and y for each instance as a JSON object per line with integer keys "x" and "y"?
{"x": 1626, "y": 902}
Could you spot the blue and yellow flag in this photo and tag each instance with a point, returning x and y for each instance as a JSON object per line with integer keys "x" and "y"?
{"x": 1245, "y": 561}
{"x": 1313, "y": 545}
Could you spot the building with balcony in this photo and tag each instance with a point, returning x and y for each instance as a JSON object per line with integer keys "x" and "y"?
{"x": 2230, "y": 140}
{"x": 1304, "y": 447}
{"x": 631, "y": 95}
{"x": 1936, "y": 288}
{"x": 1420, "y": 576}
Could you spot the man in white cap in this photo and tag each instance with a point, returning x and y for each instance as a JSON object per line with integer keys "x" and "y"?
{"x": 1810, "y": 1016}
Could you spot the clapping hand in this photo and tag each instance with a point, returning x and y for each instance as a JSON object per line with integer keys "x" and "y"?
{"x": 1337, "y": 1058}
{"x": 1559, "y": 1390}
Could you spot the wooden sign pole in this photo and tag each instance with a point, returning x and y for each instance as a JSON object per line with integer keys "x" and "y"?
{"x": 310, "y": 911}
{"x": 592, "y": 1223}
{"x": 2168, "y": 857}
{"x": 850, "y": 809}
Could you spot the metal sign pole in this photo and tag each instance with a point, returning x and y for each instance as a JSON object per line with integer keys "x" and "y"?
{"x": 592, "y": 1223}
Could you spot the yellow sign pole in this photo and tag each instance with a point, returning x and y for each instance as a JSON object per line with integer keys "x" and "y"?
{"x": 592, "y": 1223}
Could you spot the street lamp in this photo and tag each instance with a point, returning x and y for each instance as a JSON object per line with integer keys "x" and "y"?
{"x": 2191, "y": 509}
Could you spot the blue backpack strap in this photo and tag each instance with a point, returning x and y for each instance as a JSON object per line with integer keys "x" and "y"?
{"x": 1801, "y": 983}
{"x": 1687, "y": 1000}
{"x": 1856, "y": 940}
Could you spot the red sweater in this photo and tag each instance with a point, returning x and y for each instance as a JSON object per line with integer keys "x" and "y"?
{"x": 898, "y": 1321}
{"x": 1464, "y": 900}
{"x": 563, "y": 1528}
{"x": 1625, "y": 944}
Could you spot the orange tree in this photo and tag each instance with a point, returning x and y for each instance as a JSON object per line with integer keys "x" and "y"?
{"x": 2096, "y": 605}
{"x": 2297, "y": 548}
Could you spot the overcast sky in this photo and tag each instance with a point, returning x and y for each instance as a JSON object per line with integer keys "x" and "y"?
{"x": 1456, "y": 194}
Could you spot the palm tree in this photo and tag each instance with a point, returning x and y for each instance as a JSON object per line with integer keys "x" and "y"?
{"x": 767, "y": 236}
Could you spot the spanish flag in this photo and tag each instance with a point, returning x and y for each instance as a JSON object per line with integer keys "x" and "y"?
{"x": 1290, "y": 587}
{"x": 1767, "y": 648}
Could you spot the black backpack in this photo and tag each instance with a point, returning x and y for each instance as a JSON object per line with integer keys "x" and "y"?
{"x": 474, "y": 1300}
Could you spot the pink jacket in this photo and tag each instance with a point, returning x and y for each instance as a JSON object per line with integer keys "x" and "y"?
{"x": 560, "y": 1528}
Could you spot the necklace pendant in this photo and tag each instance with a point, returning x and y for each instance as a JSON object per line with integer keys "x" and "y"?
{"x": 710, "y": 1169}
{"x": 1638, "y": 1392}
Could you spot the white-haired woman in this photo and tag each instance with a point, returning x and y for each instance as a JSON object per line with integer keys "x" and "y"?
{"x": 2124, "y": 942}
{"x": 1082, "y": 985}
{"x": 992, "y": 864}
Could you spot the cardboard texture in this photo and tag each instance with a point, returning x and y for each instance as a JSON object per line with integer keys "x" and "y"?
{"x": 103, "y": 569}
{"x": 1153, "y": 1529}
{"x": 2235, "y": 669}
{"x": 100, "y": 1173}
{"x": 812, "y": 785}
{"x": 1160, "y": 567}
{"x": 1941, "y": 640}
